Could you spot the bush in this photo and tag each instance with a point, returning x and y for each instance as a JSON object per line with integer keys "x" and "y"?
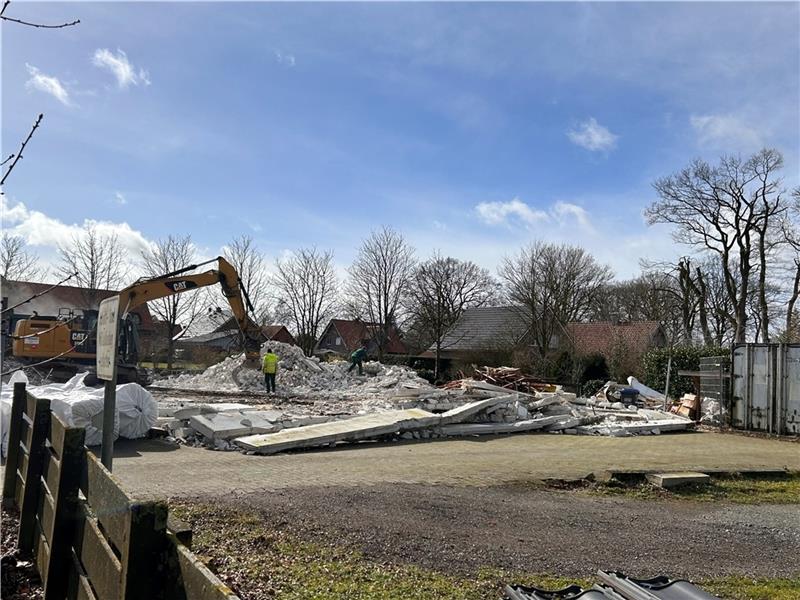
{"x": 654, "y": 367}
{"x": 591, "y": 367}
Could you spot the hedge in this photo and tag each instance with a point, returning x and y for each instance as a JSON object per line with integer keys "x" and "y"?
{"x": 654, "y": 366}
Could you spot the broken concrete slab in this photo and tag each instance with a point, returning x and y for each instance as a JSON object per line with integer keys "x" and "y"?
{"x": 672, "y": 480}
{"x": 202, "y": 409}
{"x": 573, "y": 422}
{"x": 496, "y": 428}
{"x": 461, "y": 413}
{"x": 228, "y": 425}
{"x": 357, "y": 428}
{"x": 634, "y": 428}
{"x": 482, "y": 385}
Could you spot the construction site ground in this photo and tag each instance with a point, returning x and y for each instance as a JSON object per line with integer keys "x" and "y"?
{"x": 159, "y": 468}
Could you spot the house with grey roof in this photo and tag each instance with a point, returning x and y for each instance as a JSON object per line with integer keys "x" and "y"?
{"x": 496, "y": 329}
{"x": 505, "y": 328}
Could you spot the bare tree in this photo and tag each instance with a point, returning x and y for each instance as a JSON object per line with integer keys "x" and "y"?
{"x": 15, "y": 260}
{"x": 553, "y": 284}
{"x": 379, "y": 279}
{"x": 242, "y": 253}
{"x": 306, "y": 291}
{"x": 177, "y": 311}
{"x": 721, "y": 209}
{"x": 791, "y": 233}
{"x": 98, "y": 259}
{"x": 652, "y": 296}
{"x": 440, "y": 290}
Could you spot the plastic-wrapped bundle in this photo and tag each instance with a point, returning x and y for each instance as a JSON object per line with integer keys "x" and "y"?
{"x": 137, "y": 410}
{"x": 78, "y": 405}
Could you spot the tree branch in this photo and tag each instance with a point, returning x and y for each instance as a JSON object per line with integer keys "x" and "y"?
{"x": 21, "y": 149}
{"x": 29, "y": 24}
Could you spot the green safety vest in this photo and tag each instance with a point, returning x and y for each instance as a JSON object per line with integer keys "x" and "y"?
{"x": 270, "y": 363}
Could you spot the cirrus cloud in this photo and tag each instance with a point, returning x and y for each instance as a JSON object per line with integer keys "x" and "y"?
{"x": 119, "y": 66}
{"x": 47, "y": 84}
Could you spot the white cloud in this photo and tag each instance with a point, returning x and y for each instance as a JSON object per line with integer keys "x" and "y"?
{"x": 120, "y": 199}
{"x": 47, "y": 84}
{"x": 563, "y": 210}
{"x": 285, "y": 59}
{"x": 39, "y": 229}
{"x": 564, "y": 214}
{"x": 593, "y": 136}
{"x": 119, "y": 66}
{"x": 726, "y": 132}
{"x": 498, "y": 213}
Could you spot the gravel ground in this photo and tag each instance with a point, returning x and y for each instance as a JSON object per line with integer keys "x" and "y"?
{"x": 458, "y": 530}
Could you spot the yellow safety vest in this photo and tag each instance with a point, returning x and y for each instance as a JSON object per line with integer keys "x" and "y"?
{"x": 270, "y": 363}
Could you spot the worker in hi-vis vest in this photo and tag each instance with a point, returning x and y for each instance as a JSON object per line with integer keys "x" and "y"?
{"x": 270, "y": 368}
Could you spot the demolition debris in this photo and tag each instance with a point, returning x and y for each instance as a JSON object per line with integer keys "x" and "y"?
{"x": 393, "y": 403}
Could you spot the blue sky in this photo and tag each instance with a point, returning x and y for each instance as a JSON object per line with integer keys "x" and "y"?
{"x": 471, "y": 128}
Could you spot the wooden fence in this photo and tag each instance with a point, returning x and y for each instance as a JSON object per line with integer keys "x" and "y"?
{"x": 88, "y": 538}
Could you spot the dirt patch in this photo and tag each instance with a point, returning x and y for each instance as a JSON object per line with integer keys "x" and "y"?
{"x": 458, "y": 530}
{"x": 20, "y": 581}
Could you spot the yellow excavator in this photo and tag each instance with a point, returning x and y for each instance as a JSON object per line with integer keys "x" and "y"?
{"x": 62, "y": 343}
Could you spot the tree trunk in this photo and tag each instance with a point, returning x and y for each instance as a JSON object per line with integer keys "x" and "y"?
{"x": 438, "y": 360}
{"x": 702, "y": 295}
{"x": 792, "y": 302}
{"x": 762, "y": 284}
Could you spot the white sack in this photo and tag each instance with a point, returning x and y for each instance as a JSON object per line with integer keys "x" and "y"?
{"x": 137, "y": 409}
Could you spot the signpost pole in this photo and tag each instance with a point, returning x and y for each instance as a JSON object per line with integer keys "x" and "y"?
{"x": 109, "y": 410}
{"x": 107, "y": 343}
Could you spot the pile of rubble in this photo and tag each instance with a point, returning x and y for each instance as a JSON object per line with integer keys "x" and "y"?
{"x": 465, "y": 408}
{"x": 299, "y": 375}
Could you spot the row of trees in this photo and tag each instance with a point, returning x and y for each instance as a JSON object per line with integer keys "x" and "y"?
{"x": 742, "y": 279}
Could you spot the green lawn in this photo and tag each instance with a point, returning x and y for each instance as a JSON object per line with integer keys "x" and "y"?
{"x": 736, "y": 489}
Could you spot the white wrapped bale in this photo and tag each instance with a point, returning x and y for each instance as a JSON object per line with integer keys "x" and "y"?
{"x": 137, "y": 410}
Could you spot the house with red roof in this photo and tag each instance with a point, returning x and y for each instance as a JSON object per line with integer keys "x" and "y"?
{"x": 487, "y": 330}
{"x": 343, "y": 337}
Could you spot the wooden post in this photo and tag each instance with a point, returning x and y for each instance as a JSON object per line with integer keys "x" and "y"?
{"x": 109, "y": 409}
{"x": 12, "y": 458}
{"x": 67, "y": 443}
{"x": 39, "y": 411}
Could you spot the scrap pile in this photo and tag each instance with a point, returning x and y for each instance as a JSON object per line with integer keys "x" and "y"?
{"x": 510, "y": 378}
{"x": 465, "y": 408}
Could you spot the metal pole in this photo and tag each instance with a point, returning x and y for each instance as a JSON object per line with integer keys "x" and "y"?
{"x": 109, "y": 410}
{"x": 669, "y": 369}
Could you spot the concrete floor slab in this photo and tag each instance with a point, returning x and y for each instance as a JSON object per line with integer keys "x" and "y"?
{"x": 152, "y": 467}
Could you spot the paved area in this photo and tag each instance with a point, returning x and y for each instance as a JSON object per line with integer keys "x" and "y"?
{"x": 162, "y": 469}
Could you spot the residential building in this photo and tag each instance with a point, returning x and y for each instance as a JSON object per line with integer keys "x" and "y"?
{"x": 343, "y": 336}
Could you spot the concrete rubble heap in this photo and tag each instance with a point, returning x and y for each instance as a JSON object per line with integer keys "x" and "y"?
{"x": 299, "y": 375}
{"x": 465, "y": 408}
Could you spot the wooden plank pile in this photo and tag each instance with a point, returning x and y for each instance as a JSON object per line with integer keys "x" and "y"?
{"x": 510, "y": 378}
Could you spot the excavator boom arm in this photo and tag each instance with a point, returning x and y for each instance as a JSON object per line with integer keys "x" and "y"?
{"x": 161, "y": 287}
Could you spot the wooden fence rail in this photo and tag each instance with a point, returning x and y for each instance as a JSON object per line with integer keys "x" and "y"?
{"x": 88, "y": 538}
